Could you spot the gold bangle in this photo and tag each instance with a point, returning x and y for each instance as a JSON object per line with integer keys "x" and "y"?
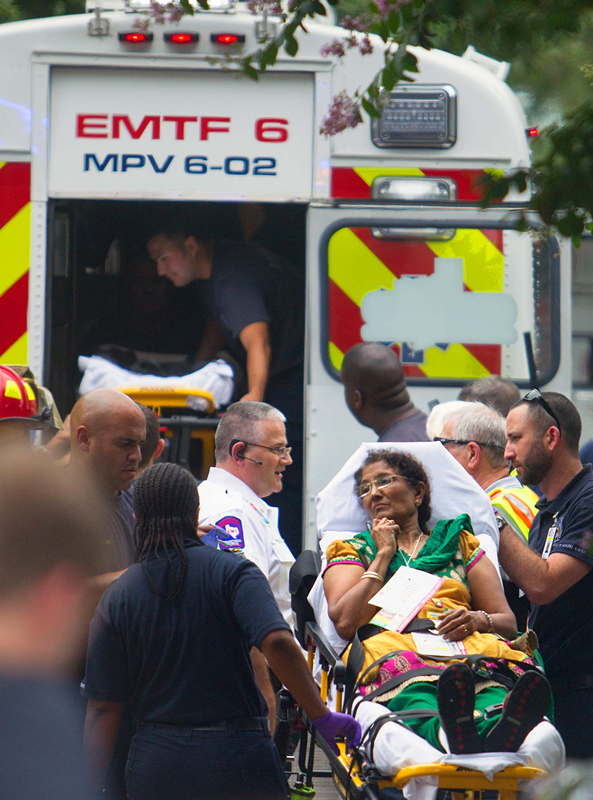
{"x": 489, "y": 618}
{"x": 370, "y": 574}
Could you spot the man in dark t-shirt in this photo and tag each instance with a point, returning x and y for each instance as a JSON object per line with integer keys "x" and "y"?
{"x": 555, "y": 571}
{"x": 257, "y": 302}
{"x": 377, "y": 395}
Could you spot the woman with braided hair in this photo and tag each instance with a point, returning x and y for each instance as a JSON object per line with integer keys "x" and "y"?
{"x": 171, "y": 638}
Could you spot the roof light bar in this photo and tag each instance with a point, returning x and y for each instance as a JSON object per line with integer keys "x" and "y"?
{"x": 181, "y": 38}
{"x": 135, "y": 37}
{"x": 227, "y": 38}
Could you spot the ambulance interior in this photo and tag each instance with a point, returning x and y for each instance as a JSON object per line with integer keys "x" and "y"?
{"x": 104, "y": 290}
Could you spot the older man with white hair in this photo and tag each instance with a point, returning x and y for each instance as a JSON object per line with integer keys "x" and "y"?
{"x": 476, "y": 437}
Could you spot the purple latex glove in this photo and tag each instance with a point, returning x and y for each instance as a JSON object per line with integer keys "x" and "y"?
{"x": 334, "y": 724}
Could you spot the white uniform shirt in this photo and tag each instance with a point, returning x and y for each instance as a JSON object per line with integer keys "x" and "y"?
{"x": 230, "y": 503}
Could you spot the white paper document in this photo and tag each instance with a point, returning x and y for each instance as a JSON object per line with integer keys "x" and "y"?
{"x": 431, "y": 644}
{"x": 403, "y": 596}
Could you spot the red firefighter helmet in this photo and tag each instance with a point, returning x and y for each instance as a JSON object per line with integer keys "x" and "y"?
{"x": 17, "y": 401}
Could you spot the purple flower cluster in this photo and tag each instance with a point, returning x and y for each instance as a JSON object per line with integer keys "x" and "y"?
{"x": 335, "y": 48}
{"x": 360, "y": 23}
{"x": 385, "y": 7}
{"x": 273, "y": 7}
{"x": 343, "y": 112}
{"x": 163, "y": 12}
{"x": 339, "y": 47}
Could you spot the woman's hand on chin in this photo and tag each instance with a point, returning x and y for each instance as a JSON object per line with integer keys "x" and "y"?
{"x": 457, "y": 624}
{"x": 384, "y": 533}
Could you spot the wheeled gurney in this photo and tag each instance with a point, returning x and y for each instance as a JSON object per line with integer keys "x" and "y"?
{"x": 391, "y": 756}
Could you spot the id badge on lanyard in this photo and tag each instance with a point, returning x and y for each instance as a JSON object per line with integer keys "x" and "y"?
{"x": 551, "y": 536}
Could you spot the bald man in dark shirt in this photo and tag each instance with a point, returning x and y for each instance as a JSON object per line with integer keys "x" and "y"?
{"x": 377, "y": 395}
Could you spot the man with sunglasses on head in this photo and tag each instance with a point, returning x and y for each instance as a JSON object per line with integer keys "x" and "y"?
{"x": 251, "y": 453}
{"x": 475, "y": 436}
{"x": 555, "y": 570}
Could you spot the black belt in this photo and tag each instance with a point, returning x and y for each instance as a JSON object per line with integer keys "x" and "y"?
{"x": 238, "y": 724}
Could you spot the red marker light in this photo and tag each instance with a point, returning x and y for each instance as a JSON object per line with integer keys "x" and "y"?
{"x": 182, "y": 38}
{"x": 135, "y": 37}
{"x": 227, "y": 38}
{"x": 531, "y": 132}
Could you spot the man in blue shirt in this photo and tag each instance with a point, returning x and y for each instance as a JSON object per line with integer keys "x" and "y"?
{"x": 555, "y": 570}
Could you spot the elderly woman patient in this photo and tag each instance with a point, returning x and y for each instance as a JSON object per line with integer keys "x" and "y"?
{"x": 491, "y": 707}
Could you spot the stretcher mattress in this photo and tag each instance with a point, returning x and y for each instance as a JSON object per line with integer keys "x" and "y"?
{"x": 216, "y": 377}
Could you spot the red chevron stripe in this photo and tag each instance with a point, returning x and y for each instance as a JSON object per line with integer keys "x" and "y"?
{"x": 467, "y": 181}
{"x": 345, "y": 320}
{"x": 346, "y": 184}
{"x": 402, "y": 258}
{"x": 15, "y": 190}
{"x": 13, "y": 312}
{"x": 489, "y": 355}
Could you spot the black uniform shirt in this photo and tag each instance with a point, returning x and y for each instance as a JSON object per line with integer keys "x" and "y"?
{"x": 565, "y": 626}
{"x": 249, "y": 284}
{"x": 184, "y": 661}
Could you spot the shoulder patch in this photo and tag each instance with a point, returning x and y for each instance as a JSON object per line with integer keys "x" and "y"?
{"x": 235, "y": 539}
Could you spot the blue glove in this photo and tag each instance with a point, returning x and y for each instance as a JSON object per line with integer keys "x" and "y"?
{"x": 334, "y": 724}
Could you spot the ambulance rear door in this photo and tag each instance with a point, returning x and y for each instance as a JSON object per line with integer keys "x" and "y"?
{"x": 451, "y": 288}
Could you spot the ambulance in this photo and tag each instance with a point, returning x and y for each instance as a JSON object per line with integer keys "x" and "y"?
{"x": 100, "y": 122}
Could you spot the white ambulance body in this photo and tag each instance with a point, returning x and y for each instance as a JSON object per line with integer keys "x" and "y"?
{"x": 94, "y": 127}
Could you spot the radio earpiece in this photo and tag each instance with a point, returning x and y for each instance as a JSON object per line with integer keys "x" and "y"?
{"x": 241, "y": 453}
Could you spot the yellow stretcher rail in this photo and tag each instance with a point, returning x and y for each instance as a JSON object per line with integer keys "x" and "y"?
{"x": 450, "y": 776}
{"x": 158, "y": 398}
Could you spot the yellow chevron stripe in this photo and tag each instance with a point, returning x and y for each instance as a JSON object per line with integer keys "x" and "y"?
{"x": 455, "y": 362}
{"x": 2, "y": 163}
{"x": 335, "y": 356}
{"x": 368, "y": 174}
{"x": 354, "y": 267}
{"x": 16, "y": 353}
{"x": 483, "y": 269}
{"x": 14, "y": 248}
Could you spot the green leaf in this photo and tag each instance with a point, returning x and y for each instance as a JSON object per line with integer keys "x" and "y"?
{"x": 291, "y": 46}
{"x": 370, "y": 108}
{"x": 409, "y": 63}
{"x": 189, "y": 9}
{"x": 387, "y": 79}
{"x": 394, "y": 20}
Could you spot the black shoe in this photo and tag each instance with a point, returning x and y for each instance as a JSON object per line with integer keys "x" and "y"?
{"x": 456, "y": 699}
{"x": 524, "y": 708}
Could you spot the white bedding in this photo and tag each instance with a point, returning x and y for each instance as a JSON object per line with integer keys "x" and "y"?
{"x": 100, "y": 373}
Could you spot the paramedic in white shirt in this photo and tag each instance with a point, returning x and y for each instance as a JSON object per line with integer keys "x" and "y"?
{"x": 251, "y": 454}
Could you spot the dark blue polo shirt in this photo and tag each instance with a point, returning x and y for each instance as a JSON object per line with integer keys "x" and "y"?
{"x": 183, "y": 661}
{"x": 565, "y": 626}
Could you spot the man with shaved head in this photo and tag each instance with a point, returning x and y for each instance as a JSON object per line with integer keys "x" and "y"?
{"x": 107, "y": 429}
{"x": 376, "y": 393}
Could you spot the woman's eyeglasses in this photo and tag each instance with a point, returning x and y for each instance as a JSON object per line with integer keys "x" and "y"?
{"x": 381, "y": 482}
{"x": 535, "y": 396}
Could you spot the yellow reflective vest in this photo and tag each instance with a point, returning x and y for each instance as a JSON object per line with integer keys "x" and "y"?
{"x": 514, "y": 502}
